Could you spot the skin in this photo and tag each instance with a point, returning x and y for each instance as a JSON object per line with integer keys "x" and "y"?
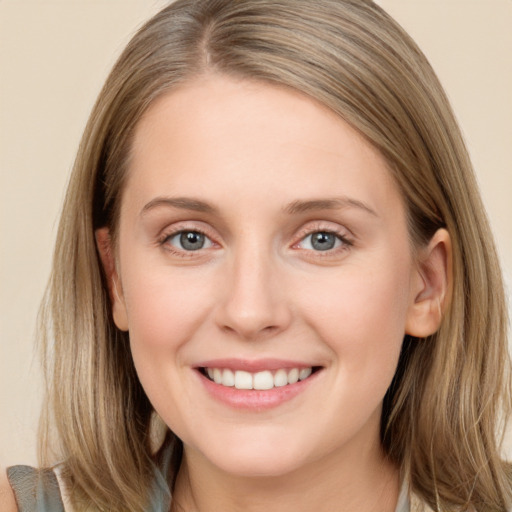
{"x": 7, "y": 501}
{"x": 259, "y": 289}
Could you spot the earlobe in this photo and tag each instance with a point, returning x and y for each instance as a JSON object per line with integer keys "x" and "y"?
{"x": 431, "y": 291}
{"x": 105, "y": 250}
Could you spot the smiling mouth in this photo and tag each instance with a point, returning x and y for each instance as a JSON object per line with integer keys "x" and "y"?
{"x": 263, "y": 380}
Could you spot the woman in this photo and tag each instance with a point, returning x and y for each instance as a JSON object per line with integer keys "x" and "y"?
{"x": 339, "y": 344}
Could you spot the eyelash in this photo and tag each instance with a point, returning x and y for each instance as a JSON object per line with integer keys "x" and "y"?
{"x": 183, "y": 253}
{"x": 346, "y": 242}
{"x": 309, "y": 231}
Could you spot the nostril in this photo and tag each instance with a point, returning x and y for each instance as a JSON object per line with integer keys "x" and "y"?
{"x": 247, "y": 332}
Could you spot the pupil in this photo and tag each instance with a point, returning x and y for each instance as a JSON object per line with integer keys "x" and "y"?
{"x": 323, "y": 241}
{"x": 191, "y": 240}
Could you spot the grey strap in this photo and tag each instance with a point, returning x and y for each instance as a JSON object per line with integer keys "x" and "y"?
{"x": 403, "y": 504}
{"x": 35, "y": 490}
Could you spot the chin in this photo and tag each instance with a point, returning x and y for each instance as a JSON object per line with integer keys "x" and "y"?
{"x": 257, "y": 461}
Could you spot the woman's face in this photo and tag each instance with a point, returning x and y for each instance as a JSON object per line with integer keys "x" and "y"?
{"x": 262, "y": 240}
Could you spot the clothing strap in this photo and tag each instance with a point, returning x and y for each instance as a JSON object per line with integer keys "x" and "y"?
{"x": 418, "y": 506}
{"x": 35, "y": 490}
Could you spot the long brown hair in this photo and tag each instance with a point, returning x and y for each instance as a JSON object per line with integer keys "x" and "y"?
{"x": 441, "y": 416}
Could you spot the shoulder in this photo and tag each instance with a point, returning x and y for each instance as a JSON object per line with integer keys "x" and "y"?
{"x": 7, "y": 500}
{"x": 33, "y": 489}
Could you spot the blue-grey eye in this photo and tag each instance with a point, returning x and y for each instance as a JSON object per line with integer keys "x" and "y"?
{"x": 321, "y": 241}
{"x": 190, "y": 241}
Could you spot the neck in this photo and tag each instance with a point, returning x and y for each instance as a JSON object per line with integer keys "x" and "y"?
{"x": 364, "y": 481}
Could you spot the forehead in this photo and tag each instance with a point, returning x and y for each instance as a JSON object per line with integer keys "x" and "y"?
{"x": 237, "y": 136}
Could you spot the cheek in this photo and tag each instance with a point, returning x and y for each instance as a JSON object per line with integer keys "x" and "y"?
{"x": 165, "y": 310}
{"x": 163, "y": 307}
{"x": 361, "y": 316}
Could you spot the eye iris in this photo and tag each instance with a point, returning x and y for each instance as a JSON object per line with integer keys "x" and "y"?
{"x": 322, "y": 241}
{"x": 192, "y": 240}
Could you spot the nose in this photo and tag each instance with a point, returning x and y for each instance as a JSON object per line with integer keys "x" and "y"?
{"x": 254, "y": 303}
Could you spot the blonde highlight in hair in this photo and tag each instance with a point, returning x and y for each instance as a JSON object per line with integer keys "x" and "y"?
{"x": 442, "y": 412}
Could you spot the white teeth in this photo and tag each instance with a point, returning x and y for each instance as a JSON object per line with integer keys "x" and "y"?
{"x": 280, "y": 378}
{"x": 260, "y": 380}
{"x": 243, "y": 380}
{"x": 228, "y": 378}
{"x": 263, "y": 380}
{"x": 304, "y": 373}
{"x": 293, "y": 376}
{"x": 217, "y": 376}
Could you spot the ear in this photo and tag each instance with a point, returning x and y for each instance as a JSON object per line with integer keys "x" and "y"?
{"x": 104, "y": 245}
{"x": 432, "y": 284}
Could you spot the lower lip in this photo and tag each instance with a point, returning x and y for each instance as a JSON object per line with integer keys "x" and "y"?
{"x": 252, "y": 399}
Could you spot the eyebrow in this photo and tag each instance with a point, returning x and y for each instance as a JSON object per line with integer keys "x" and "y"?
{"x": 295, "y": 207}
{"x": 334, "y": 203}
{"x": 182, "y": 203}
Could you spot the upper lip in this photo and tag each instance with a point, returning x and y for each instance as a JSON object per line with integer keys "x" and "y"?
{"x": 254, "y": 365}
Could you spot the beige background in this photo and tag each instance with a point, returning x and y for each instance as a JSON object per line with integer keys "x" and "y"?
{"x": 54, "y": 56}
